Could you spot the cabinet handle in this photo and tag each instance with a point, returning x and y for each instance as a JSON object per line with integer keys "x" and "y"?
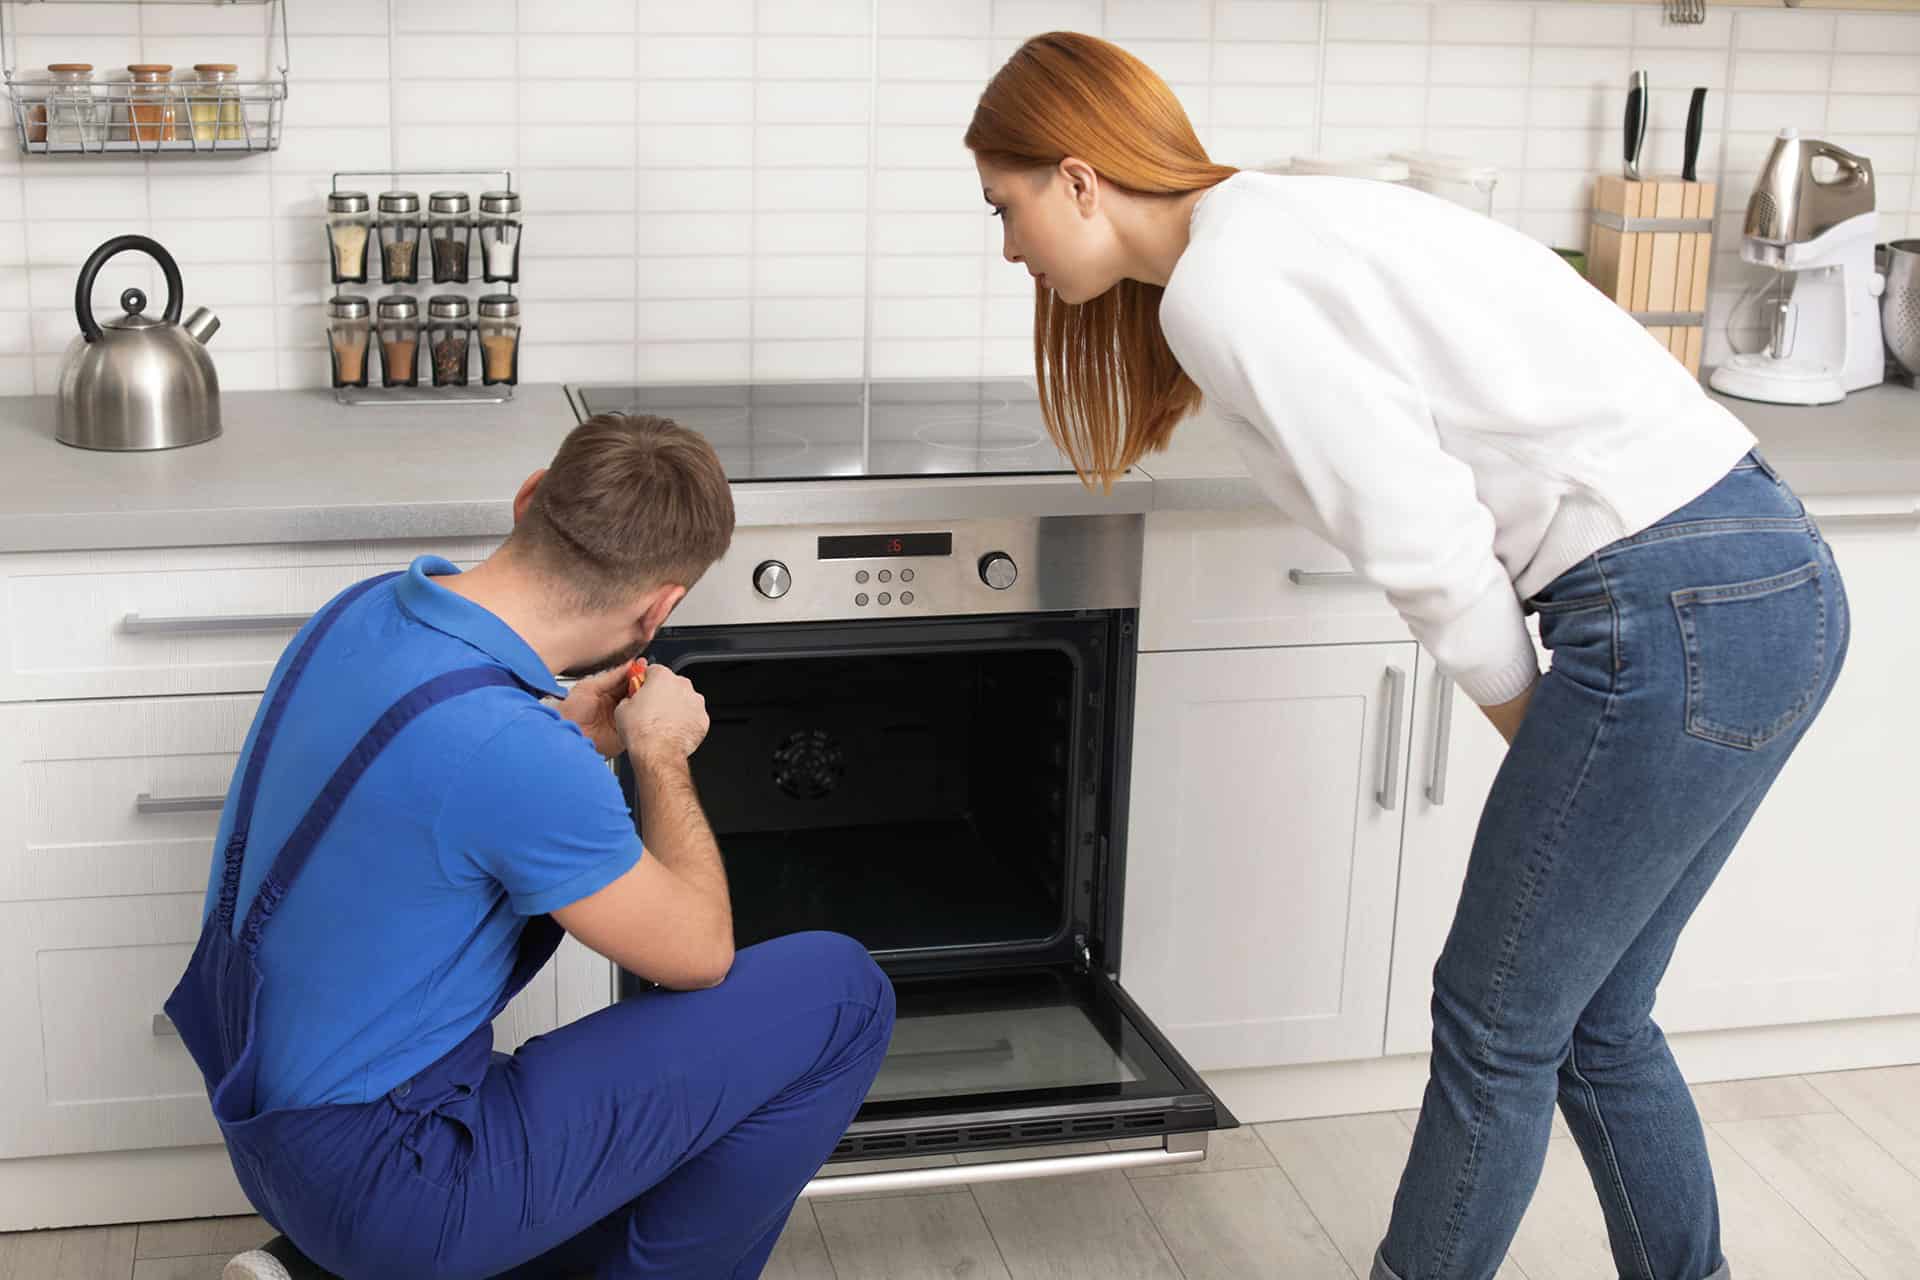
{"x": 1389, "y": 793}
{"x": 137, "y": 625}
{"x": 1442, "y": 742}
{"x": 163, "y": 1025}
{"x": 144, "y": 803}
{"x": 1321, "y": 577}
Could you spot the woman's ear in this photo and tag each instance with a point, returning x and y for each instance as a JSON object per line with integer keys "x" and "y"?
{"x": 1083, "y": 184}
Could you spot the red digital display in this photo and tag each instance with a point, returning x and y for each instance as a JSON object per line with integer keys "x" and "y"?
{"x": 881, "y": 546}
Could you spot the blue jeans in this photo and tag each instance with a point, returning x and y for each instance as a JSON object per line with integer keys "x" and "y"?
{"x": 1688, "y": 661}
{"x": 665, "y": 1136}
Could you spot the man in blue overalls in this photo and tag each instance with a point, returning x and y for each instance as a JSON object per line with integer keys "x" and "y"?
{"x": 417, "y": 816}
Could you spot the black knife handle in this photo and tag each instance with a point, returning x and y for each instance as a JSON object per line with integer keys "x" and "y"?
{"x": 1696, "y": 124}
{"x": 1636, "y": 124}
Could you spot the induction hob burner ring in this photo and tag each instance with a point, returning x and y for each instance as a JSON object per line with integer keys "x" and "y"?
{"x": 809, "y": 765}
{"x": 1012, "y": 438}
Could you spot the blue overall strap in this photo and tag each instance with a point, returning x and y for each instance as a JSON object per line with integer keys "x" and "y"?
{"x": 250, "y": 782}
{"x": 293, "y": 855}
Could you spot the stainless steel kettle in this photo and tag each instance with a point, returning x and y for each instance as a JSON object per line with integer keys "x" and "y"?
{"x": 136, "y": 382}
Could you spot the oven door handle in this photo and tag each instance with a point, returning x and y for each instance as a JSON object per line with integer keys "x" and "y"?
{"x": 1180, "y": 1148}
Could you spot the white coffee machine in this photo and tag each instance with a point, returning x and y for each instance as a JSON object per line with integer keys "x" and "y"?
{"x": 1812, "y": 219}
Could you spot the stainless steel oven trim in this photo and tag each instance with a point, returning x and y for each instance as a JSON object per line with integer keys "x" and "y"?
{"x": 1176, "y": 1149}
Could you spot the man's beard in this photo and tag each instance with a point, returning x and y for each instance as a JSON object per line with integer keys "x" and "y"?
{"x": 617, "y": 659}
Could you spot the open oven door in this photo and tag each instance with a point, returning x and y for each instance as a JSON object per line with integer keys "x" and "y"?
{"x": 1022, "y": 1058}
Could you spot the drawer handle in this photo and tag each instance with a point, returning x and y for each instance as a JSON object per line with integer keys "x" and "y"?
{"x": 1179, "y": 1149}
{"x": 144, "y": 803}
{"x": 1442, "y": 743}
{"x": 137, "y": 625}
{"x": 1389, "y": 793}
{"x": 1321, "y": 577}
{"x": 163, "y": 1025}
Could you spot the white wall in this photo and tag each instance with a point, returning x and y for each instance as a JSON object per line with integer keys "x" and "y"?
{"x": 725, "y": 188}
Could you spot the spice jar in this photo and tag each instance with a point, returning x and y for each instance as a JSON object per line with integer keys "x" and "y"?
{"x": 399, "y": 340}
{"x": 348, "y": 225}
{"x": 73, "y": 116}
{"x": 30, "y": 102}
{"x": 500, "y": 339}
{"x": 449, "y": 326}
{"x": 500, "y": 235}
{"x": 349, "y": 334}
{"x": 399, "y": 226}
{"x": 214, "y": 106}
{"x": 449, "y": 235}
{"x": 151, "y": 103}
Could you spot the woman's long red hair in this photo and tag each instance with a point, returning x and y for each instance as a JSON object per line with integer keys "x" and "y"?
{"x": 1110, "y": 388}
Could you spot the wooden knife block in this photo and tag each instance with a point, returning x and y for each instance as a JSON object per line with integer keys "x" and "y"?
{"x": 1650, "y": 250}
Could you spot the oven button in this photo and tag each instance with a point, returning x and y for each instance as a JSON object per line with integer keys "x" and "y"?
{"x": 906, "y": 575}
{"x": 861, "y": 599}
{"x": 861, "y": 577}
{"x": 886, "y": 598}
{"x": 998, "y": 570}
{"x": 906, "y": 597}
{"x": 772, "y": 580}
{"x": 886, "y": 575}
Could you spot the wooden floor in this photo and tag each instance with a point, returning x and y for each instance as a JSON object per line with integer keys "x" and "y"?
{"x": 1819, "y": 1177}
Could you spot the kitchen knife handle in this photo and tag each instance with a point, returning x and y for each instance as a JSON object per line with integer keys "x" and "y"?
{"x": 1696, "y": 125}
{"x": 1636, "y": 123}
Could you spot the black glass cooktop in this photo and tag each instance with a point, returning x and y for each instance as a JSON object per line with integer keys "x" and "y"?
{"x": 852, "y": 430}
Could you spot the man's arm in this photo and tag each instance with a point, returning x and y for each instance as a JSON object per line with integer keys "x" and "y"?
{"x": 668, "y": 919}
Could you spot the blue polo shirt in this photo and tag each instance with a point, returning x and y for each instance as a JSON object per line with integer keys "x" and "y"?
{"x": 401, "y": 932}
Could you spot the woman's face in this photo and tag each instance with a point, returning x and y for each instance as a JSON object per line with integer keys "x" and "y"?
{"x": 1053, "y": 226}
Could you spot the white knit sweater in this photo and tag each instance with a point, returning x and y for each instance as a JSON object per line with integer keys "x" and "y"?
{"x": 1437, "y": 395}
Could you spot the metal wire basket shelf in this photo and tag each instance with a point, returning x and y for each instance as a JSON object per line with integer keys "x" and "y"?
{"x": 123, "y": 117}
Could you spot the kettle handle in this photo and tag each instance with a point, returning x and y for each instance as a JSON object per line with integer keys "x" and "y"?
{"x": 83, "y": 291}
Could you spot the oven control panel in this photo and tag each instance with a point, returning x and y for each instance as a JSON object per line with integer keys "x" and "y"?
{"x": 800, "y": 573}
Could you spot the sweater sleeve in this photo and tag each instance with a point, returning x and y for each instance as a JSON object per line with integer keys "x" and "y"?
{"x": 1308, "y": 360}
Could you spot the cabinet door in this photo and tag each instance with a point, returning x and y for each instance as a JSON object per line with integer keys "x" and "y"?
{"x": 1817, "y": 914}
{"x": 1267, "y": 793}
{"x": 1456, "y": 752}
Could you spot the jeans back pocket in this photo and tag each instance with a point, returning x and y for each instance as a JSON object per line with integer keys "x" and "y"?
{"x": 1756, "y": 655}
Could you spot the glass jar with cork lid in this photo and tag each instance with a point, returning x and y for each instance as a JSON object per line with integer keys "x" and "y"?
{"x": 213, "y": 104}
{"x": 73, "y": 114}
{"x": 399, "y": 231}
{"x": 151, "y": 103}
{"x": 449, "y": 330}
{"x": 449, "y": 235}
{"x": 400, "y": 340}
{"x": 349, "y": 335}
{"x": 349, "y": 226}
{"x": 500, "y": 339}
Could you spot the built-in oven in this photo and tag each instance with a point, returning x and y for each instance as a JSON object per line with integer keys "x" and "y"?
{"x": 920, "y": 738}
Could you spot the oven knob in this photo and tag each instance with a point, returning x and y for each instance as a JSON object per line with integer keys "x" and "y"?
{"x": 998, "y": 570}
{"x": 772, "y": 580}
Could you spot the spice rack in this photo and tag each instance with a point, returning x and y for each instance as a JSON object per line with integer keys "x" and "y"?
{"x": 73, "y": 116}
{"x": 442, "y": 294}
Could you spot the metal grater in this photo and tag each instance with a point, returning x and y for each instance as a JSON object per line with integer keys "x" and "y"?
{"x": 1690, "y": 13}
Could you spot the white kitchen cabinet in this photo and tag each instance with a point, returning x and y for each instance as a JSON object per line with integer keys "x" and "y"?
{"x": 1267, "y": 794}
{"x": 1456, "y": 752}
{"x": 1817, "y": 914}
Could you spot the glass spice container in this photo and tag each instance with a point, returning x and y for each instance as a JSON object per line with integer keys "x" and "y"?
{"x": 500, "y": 236}
{"x": 500, "y": 339}
{"x": 213, "y": 104}
{"x": 349, "y": 335}
{"x": 349, "y": 225}
{"x": 73, "y": 114}
{"x": 151, "y": 104}
{"x": 30, "y": 94}
{"x": 399, "y": 228}
{"x": 399, "y": 340}
{"x": 449, "y": 331}
{"x": 449, "y": 235}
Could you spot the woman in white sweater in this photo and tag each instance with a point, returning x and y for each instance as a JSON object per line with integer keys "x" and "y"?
{"x": 1484, "y": 435}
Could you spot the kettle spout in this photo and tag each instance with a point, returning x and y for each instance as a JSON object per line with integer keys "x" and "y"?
{"x": 202, "y": 325}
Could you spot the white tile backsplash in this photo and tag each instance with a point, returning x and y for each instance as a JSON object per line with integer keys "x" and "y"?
{"x": 778, "y": 188}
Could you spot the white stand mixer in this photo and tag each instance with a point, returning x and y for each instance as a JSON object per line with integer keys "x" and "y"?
{"x": 1825, "y": 337}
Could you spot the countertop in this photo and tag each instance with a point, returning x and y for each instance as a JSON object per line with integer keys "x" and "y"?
{"x": 294, "y": 466}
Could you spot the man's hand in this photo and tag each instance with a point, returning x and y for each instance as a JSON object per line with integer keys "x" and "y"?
{"x": 590, "y": 704}
{"x": 1507, "y": 716}
{"x": 666, "y": 720}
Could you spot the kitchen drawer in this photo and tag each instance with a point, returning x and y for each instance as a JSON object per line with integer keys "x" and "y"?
{"x": 178, "y": 620}
{"x": 1236, "y": 580}
{"x": 114, "y": 797}
{"x": 86, "y": 1066}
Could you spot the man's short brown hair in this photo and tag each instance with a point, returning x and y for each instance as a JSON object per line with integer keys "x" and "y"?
{"x": 629, "y": 503}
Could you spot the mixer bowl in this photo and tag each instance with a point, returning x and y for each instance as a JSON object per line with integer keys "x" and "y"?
{"x": 1900, "y": 305}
